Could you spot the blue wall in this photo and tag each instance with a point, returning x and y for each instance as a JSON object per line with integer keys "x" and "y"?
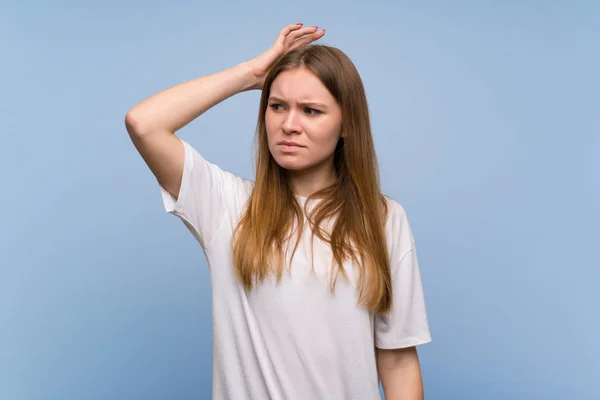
{"x": 485, "y": 119}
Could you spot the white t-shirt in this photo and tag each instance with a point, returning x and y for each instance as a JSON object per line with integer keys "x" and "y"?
{"x": 295, "y": 340}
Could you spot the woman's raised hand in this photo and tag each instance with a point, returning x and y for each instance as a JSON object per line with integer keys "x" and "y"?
{"x": 289, "y": 38}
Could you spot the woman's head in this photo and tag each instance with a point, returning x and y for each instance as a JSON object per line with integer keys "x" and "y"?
{"x": 314, "y": 97}
{"x": 301, "y": 111}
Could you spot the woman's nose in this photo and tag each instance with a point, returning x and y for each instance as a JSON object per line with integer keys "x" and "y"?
{"x": 291, "y": 124}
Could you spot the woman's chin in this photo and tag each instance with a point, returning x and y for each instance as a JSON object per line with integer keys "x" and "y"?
{"x": 292, "y": 165}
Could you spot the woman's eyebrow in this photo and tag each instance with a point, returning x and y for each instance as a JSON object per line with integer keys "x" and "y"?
{"x": 302, "y": 103}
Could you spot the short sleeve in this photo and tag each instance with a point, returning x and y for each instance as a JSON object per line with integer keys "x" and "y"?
{"x": 208, "y": 196}
{"x": 406, "y": 325}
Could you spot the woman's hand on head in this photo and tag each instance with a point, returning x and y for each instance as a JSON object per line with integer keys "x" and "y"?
{"x": 289, "y": 38}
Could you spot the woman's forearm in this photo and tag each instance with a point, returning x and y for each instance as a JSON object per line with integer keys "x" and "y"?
{"x": 175, "y": 107}
{"x": 400, "y": 374}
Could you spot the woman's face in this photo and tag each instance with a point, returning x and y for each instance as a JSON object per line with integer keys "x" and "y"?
{"x": 302, "y": 113}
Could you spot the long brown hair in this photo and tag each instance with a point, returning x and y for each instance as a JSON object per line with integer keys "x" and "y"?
{"x": 354, "y": 201}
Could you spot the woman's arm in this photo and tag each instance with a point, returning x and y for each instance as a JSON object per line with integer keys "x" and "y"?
{"x": 152, "y": 123}
{"x": 400, "y": 374}
{"x": 174, "y": 108}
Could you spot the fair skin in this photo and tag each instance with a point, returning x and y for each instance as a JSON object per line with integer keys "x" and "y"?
{"x": 400, "y": 373}
{"x": 152, "y": 125}
{"x": 301, "y": 110}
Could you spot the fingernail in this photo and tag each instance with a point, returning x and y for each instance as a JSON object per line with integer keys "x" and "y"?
{"x": 315, "y": 27}
{"x": 299, "y": 23}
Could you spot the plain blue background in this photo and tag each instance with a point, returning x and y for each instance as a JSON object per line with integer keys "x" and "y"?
{"x": 485, "y": 117}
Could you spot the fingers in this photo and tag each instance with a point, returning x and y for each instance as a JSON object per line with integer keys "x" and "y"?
{"x": 295, "y": 35}
{"x": 293, "y": 32}
{"x": 308, "y": 39}
{"x": 290, "y": 28}
{"x": 300, "y": 32}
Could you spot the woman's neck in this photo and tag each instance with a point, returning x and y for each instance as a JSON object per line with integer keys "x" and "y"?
{"x": 308, "y": 181}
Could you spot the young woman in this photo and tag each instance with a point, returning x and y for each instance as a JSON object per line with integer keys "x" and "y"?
{"x": 316, "y": 288}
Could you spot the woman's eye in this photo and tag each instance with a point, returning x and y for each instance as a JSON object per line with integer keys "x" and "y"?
{"x": 274, "y": 107}
{"x": 312, "y": 111}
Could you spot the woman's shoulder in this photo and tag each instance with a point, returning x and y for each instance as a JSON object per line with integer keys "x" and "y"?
{"x": 201, "y": 161}
{"x": 397, "y": 226}
{"x": 395, "y": 208}
{"x": 399, "y": 235}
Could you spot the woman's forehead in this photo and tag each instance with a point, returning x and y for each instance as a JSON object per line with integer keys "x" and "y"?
{"x": 299, "y": 85}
